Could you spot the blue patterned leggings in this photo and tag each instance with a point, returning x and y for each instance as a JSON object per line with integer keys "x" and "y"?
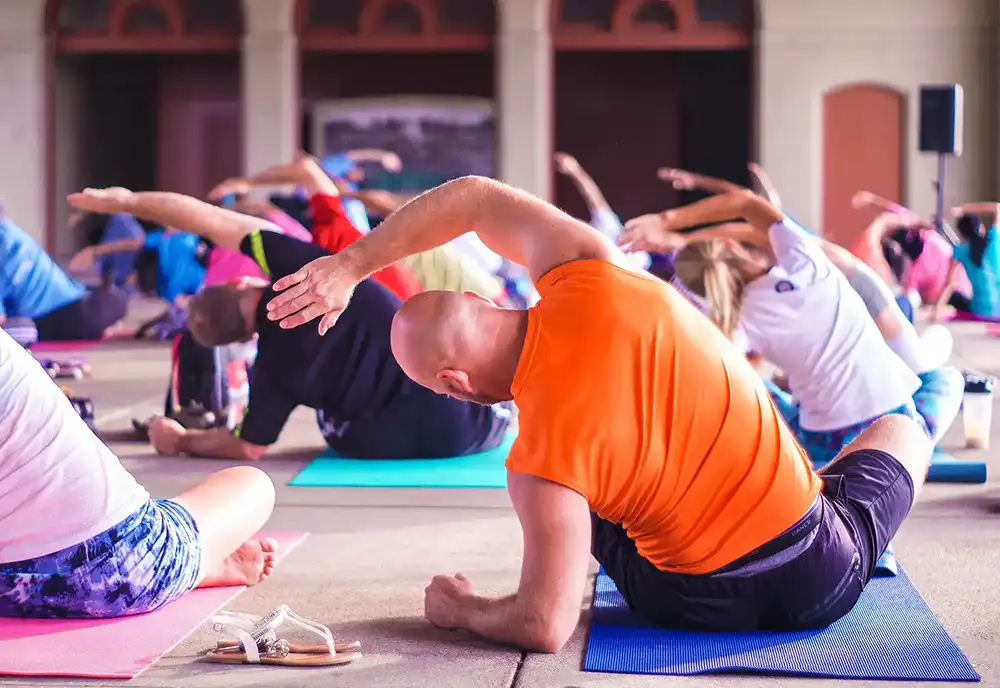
{"x": 935, "y": 405}
{"x": 149, "y": 559}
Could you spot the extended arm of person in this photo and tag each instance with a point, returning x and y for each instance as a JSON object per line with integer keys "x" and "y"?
{"x": 651, "y": 232}
{"x": 304, "y": 171}
{"x": 767, "y": 187}
{"x": 377, "y": 202}
{"x": 387, "y": 159}
{"x": 981, "y": 209}
{"x": 222, "y": 227}
{"x": 511, "y": 222}
{"x": 949, "y": 289}
{"x": 866, "y": 199}
{"x": 543, "y": 613}
{"x": 689, "y": 181}
{"x": 219, "y": 443}
{"x": 584, "y": 183}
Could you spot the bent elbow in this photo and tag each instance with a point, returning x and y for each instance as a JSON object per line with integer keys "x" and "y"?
{"x": 549, "y": 636}
{"x": 550, "y": 642}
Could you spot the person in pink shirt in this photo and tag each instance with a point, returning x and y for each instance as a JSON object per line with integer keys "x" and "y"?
{"x": 927, "y": 275}
{"x": 225, "y": 266}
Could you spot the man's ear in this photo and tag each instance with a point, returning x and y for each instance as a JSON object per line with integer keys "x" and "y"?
{"x": 457, "y": 380}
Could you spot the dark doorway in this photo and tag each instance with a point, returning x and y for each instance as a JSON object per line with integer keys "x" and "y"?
{"x": 625, "y": 114}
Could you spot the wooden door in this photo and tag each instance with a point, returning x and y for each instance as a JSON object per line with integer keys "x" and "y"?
{"x": 863, "y": 129}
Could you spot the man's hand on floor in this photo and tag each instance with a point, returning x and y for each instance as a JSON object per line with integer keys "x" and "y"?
{"x": 165, "y": 435}
{"x": 443, "y": 600}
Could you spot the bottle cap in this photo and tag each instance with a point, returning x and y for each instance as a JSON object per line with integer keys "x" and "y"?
{"x": 979, "y": 384}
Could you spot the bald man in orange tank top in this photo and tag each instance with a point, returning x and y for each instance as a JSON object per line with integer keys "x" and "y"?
{"x": 645, "y": 438}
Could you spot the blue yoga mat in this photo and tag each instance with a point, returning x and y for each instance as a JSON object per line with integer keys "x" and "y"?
{"x": 483, "y": 470}
{"x": 890, "y": 634}
{"x": 945, "y": 468}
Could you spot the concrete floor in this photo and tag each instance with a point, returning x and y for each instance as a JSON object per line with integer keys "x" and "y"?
{"x": 371, "y": 552}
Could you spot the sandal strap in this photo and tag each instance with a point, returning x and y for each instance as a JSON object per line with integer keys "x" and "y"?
{"x": 270, "y": 623}
{"x": 262, "y": 634}
{"x": 224, "y": 622}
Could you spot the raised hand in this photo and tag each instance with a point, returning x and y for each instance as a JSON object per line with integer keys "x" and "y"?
{"x": 648, "y": 233}
{"x": 234, "y": 186}
{"x": 681, "y": 180}
{"x": 566, "y": 163}
{"x": 83, "y": 260}
{"x": 392, "y": 163}
{"x": 321, "y": 288}
{"x": 862, "y": 199}
{"x": 113, "y": 200}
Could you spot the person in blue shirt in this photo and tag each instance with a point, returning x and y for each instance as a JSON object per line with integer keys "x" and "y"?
{"x": 105, "y": 229}
{"x": 979, "y": 254}
{"x": 33, "y": 286}
{"x": 345, "y": 167}
{"x": 168, "y": 264}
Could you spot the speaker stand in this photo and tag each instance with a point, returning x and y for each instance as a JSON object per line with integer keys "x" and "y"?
{"x": 939, "y": 191}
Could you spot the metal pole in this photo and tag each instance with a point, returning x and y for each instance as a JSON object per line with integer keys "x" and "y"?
{"x": 939, "y": 188}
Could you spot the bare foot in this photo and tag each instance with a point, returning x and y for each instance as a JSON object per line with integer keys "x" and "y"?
{"x": 252, "y": 563}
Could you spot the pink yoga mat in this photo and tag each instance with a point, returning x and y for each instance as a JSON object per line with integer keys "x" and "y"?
{"x": 958, "y": 316}
{"x": 112, "y": 648}
{"x": 71, "y": 345}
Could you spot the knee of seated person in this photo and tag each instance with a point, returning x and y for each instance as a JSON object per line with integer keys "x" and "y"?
{"x": 252, "y": 481}
{"x": 901, "y": 437}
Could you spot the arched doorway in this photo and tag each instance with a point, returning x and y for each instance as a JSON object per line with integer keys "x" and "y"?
{"x": 370, "y": 66}
{"x": 144, "y": 94}
{"x": 863, "y": 127}
{"x": 641, "y": 84}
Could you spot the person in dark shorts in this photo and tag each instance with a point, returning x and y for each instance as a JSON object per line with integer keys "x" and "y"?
{"x": 646, "y": 438}
{"x": 32, "y": 286}
{"x": 366, "y": 406}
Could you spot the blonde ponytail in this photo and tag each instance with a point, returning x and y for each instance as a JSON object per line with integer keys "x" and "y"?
{"x": 710, "y": 269}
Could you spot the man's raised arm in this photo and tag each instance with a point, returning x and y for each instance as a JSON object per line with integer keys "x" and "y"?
{"x": 513, "y": 223}
{"x": 222, "y": 227}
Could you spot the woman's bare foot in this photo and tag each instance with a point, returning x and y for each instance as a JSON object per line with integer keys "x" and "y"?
{"x": 250, "y": 564}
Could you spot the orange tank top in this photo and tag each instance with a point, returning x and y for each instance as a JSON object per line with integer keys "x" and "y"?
{"x": 631, "y": 397}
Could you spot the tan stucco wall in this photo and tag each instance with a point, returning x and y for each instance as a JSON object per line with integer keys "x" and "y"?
{"x": 270, "y": 84}
{"x": 22, "y": 116}
{"x": 807, "y": 48}
{"x": 68, "y": 131}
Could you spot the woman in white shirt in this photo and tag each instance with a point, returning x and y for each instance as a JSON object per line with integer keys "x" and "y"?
{"x": 80, "y": 538}
{"x": 797, "y": 310}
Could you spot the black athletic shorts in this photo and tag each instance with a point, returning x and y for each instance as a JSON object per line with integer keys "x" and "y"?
{"x": 807, "y": 577}
{"x": 86, "y": 318}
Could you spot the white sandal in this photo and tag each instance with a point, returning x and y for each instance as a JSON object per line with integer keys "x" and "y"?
{"x": 258, "y": 642}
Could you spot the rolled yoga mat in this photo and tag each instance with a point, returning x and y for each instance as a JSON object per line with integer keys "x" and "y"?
{"x": 945, "y": 468}
{"x": 482, "y": 470}
{"x": 891, "y": 634}
{"x": 113, "y": 648}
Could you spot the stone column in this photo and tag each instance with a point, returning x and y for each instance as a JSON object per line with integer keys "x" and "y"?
{"x": 271, "y": 120}
{"x": 23, "y": 117}
{"x": 525, "y": 95}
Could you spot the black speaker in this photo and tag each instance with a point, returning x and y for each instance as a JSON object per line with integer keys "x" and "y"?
{"x": 941, "y": 115}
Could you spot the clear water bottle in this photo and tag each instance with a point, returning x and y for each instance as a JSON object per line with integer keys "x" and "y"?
{"x": 977, "y": 411}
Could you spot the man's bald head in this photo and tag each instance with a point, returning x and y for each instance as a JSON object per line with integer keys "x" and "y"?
{"x": 446, "y": 342}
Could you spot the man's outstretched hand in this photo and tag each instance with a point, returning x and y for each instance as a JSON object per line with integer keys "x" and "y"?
{"x": 320, "y": 288}
{"x": 110, "y": 201}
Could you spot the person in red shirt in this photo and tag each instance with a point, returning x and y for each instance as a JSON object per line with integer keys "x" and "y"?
{"x": 332, "y": 228}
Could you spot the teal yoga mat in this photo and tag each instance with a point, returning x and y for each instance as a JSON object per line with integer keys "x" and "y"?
{"x": 483, "y": 470}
